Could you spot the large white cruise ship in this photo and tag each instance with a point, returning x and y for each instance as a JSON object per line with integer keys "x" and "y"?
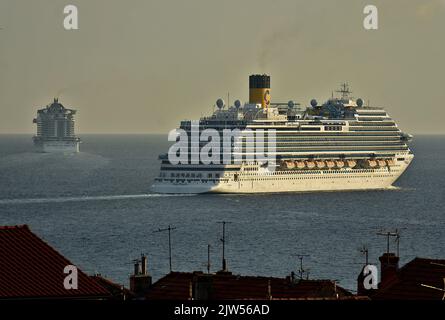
{"x": 341, "y": 144}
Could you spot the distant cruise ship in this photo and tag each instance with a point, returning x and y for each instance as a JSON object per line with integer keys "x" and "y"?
{"x": 341, "y": 144}
{"x": 55, "y": 129}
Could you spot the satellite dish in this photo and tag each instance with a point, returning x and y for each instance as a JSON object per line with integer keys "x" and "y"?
{"x": 237, "y": 104}
{"x": 291, "y": 104}
{"x": 314, "y": 103}
{"x": 359, "y": 102}
{"x": 220, "y": 103}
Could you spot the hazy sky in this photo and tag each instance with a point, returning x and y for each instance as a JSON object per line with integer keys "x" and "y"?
{"x": 144, "y": 65}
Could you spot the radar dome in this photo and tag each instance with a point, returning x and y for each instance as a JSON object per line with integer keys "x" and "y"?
{"x": 291, "y": 104}
{"x": 314, "y": 103}
{"x": 220, "y": 103}
{"x": 237, "y": 104}
{"x": 359, "y": 102}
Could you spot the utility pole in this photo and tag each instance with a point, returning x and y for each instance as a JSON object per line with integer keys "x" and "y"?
{"x": 169, "y": 229}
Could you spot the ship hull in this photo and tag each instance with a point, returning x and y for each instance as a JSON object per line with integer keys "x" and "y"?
{"x": 57, "y": 146}
{"x": 292, "y": 181}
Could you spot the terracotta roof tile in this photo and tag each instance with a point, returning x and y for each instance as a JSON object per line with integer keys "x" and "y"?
{"x": 30, "y": 268}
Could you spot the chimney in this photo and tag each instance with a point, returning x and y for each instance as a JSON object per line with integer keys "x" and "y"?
{"x": 259, "y": 89}
{"x": 202, "y": 286}
{"x": 140, "y": 281}
{"x": 389, "y": 265}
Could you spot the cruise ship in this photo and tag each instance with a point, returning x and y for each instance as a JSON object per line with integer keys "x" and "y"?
{"x": 55, "y": 129}
{"x": 341, "y": 144}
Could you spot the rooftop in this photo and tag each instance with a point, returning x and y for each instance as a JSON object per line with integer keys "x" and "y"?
{"x": 226, "y": 286}
{"x": 31, "y": 268}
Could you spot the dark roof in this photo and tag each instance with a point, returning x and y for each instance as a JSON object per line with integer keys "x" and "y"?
{"x": 30, "y": 268}
{"x": 408, "y": 282}
{"x": 117, "y": 291}
{"x": 179, "y": 285}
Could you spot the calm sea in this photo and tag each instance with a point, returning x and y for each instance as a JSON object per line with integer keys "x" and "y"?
{"x": 96, "y": 208}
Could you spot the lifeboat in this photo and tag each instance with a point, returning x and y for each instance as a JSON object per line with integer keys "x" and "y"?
{"x": 381, "y": 163}
{"x": 330, "y": 164}
{"x": 340, "y": 164}
{"x": 290, "y": 164}
{"x": 390, "y": 162}
{"x": 320, "y": 164}
{"x": 372, "y": 163}
{"x": 310, "y": 164}
{"x": 351, "y": 163}
{"x": 300, "y": 164}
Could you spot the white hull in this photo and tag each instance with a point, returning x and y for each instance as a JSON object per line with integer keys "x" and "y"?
{"x": 58, "y": 146}
{"x": 291, "y": 181}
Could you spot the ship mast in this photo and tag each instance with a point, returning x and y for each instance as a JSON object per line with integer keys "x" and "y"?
{"x": 344, "y": 90}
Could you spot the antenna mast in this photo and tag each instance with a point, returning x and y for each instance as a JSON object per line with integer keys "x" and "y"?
{"x": 388, "y": 234}
{"x": 364, "y": 251}
{"x": 208, "y": 258}
{"x": 344, "y": 90}
{"x": 169, "y": 229}
{"x": 301, "y": 271}
{"x": 223, "y": 240}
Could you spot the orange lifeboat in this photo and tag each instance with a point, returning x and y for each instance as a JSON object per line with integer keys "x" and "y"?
{"x": 320, "y": 164}
{"x": 300, "y": 164}
{"x": 351, "y": 163}
{"x": 390, "y": 162}
{"x": 290, "y": 164}
{"x": 372, "y": 163}
{"x": 310, "y": 164}
{"x": 381, "y": 162}
{"x": 340, "y": 164}
{"x": 330, "y": 164}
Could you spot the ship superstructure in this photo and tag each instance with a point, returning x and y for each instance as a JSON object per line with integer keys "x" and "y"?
{"x": 341, "y": 144}
{"x": 55, "y": 129}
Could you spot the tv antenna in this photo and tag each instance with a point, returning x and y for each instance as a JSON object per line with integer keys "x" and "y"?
{"x": 208, "y": 258}
{"x": 388, "y": 234}
{"x": 302, "y": 271}
{"x": 223, "y": 240}
{"x": 365, "y": 252}
{"x": 169, "y": 229}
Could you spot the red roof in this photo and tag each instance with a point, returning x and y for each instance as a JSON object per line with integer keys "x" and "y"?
{"x": 180, "y": 285}
{"x": 409, "y": 280}
{"x": 30, "y": 268}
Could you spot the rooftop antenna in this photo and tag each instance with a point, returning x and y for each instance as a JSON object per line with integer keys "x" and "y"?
{"x": 364, "y": 251}
{"x": 301, "y": 271}
{"x": 169, "y": 229}
{"x": 208, "y": 258}
{"x": 223, "y": 240}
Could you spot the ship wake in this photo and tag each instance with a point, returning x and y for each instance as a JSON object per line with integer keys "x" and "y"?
{"x": 89, "y": 198}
